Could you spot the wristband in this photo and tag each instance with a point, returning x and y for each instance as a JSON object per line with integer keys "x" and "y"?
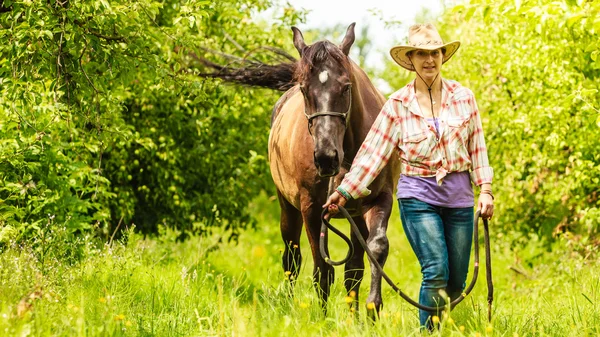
{"x": 487, "y": 192}
{"x": 343, "y": 193}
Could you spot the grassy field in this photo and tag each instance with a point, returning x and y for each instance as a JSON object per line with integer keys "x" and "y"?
{"x": 203, "y": 287}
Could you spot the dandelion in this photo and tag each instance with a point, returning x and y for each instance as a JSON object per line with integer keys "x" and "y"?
{"x": 352, "y": 293}
{"x": 461, "y": 328}
{"x": 303, "y": 305}
{"x": 259, "y": 252}
{"x": 435, "y": 319}
{"x": 349, "y": 299}
{"x": 295, "y": 246}
{"x": 489, "y": 329}
{"x": 102, "y": 300}
{"x": 119, "y": 317}
{"x": 371, "y": 306}
{"x": 450, "y": 320}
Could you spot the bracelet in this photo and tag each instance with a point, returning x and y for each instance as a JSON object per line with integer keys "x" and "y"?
{"x": 343, "y": 193}
{"x": 487, "y": 192}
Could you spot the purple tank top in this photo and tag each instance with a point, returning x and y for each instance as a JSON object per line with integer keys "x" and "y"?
{"x": 455, "y": 192}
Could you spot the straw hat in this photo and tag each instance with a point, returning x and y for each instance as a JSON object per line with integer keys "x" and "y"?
{"x": 422, "y": 36}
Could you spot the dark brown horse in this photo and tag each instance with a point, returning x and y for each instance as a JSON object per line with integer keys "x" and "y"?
{"x": 318, "y": 125}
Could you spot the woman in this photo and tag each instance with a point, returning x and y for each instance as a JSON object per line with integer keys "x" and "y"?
{"x": 435, "y": 125}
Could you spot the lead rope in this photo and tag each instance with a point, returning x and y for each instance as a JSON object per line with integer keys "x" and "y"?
{"x": 323, "y": 237}
{"x": 323, "y": 249}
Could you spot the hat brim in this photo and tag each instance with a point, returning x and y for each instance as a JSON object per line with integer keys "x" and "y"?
{"x": 399, "y": 56}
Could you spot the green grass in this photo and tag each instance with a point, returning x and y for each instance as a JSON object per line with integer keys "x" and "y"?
{"x": 203, "y": 287}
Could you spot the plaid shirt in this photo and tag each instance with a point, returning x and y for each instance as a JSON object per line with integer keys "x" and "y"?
{"x": 401, "y": 126}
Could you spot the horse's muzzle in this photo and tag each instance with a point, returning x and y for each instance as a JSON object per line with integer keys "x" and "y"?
{"x": 327, "y": 164}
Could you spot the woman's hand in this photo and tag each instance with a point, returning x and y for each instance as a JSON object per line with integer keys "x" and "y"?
{"x": 334, "y": 200}
{"x": 486, "y": 205}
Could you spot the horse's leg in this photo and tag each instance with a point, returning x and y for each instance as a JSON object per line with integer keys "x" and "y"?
{"x": 291, "y": 229}
{"x": 323, "y": 273}
{"x": 355, "y": 267}
{"x": 377, "y": 221}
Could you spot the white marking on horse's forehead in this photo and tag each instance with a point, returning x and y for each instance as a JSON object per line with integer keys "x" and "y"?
{"x": 323, "y": 76}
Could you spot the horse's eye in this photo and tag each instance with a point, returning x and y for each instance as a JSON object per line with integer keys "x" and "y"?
{"x": 347, "y": 89}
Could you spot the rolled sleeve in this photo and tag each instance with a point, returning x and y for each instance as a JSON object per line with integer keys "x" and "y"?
{"x": 373, "y": 154}
{"x": 481, "y": 172}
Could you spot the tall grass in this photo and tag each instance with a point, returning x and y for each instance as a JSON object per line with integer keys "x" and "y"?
{"x": 209, "y": 287}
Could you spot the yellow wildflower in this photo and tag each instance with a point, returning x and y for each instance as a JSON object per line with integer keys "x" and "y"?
{"x": 119, "y": 317}
{"x": 371, "y": 306}
{"x": 303, "y": 305}
{"x": 461, "y": 328}
{"x": 435, "y": 319}
{"x": 349, "y": 299}
{"x": 489, "y": 329}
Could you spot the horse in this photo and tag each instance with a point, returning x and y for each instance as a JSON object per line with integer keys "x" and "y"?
{"x": 317, "y": 127}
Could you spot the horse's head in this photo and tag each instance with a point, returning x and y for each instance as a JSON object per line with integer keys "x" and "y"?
{"x": 324, "y": 75}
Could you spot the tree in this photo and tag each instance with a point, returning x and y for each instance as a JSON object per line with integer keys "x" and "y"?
{"x": 534, "y": 68}
{"x": 103, "y": 126}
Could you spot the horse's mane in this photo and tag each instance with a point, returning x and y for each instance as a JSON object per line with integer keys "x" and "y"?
{"x": 316, "y": 53}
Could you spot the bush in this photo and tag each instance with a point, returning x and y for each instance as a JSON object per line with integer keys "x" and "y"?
{"x": 534, "y": 67}
{"x": 102, "y": 125}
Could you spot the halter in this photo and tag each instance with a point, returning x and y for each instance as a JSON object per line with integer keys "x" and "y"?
{"x": 343, "y": 115}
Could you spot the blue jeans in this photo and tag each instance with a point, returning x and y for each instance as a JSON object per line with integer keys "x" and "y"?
{"x": 441, "y": 238}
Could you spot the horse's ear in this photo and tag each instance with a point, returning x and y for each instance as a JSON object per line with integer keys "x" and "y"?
{"x": 298, "y": 40}
{"x": 348, "y": 39}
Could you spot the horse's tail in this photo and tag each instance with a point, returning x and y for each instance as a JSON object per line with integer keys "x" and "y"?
{"x": 251, "y": 71}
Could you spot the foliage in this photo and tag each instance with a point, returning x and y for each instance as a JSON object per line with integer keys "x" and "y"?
{"x": 534, "y": 68}
{"x": 103, "y": 125}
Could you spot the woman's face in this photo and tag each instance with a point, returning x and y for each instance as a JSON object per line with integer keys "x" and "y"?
{"x": 427, "y": 62}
